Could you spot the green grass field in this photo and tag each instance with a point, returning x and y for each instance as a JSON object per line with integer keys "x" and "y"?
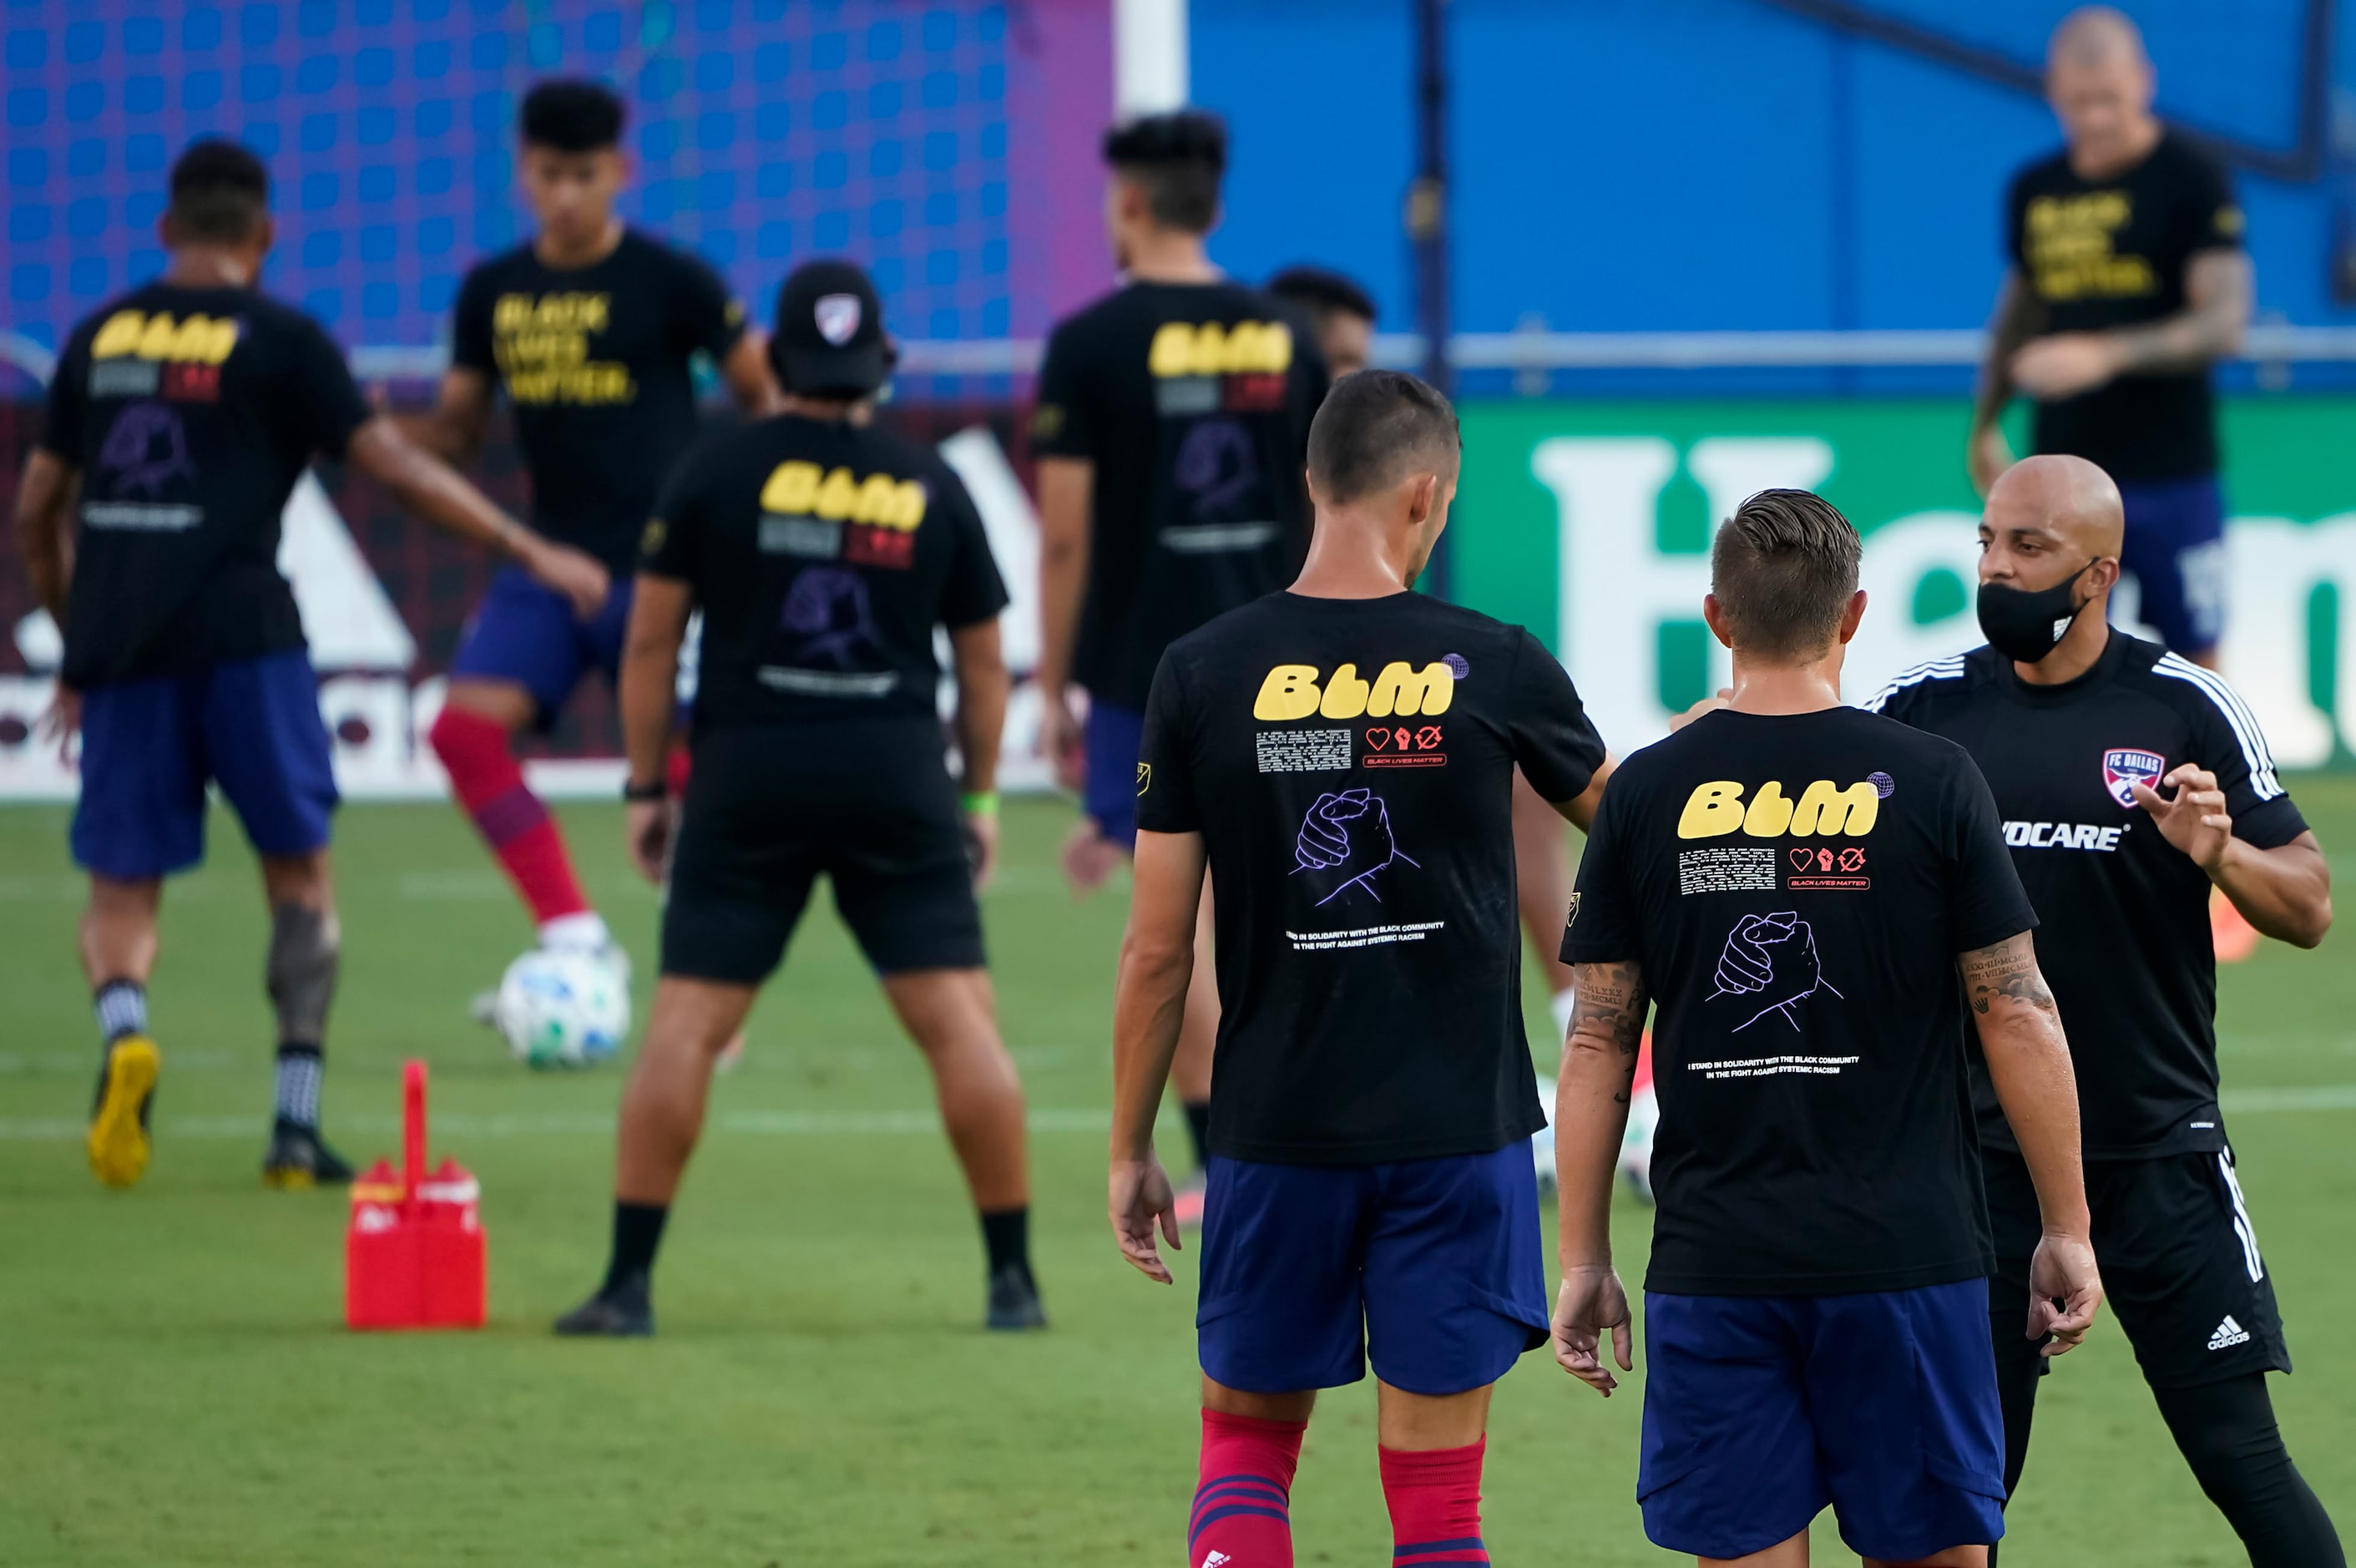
{"x": 175, "y": 1386}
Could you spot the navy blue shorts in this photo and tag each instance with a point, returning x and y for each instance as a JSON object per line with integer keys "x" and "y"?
{"x": 1761, "y": 1410}
{"x": 1109, "y": 794}
{"x": 148, "y": 748}
{"x": 2175, "y": 550}
{"x": 1428, "y": 1268}
{"x": 528, "y": 634}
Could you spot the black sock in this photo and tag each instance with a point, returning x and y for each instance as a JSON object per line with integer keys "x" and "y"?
{"x": 2227, "y": 1432}
{"x": 1198, "y": 1123}
{"x": 1007, "y": 1236}
{"x": 299, "y": 1068}
{"x": 637, "y": 1231}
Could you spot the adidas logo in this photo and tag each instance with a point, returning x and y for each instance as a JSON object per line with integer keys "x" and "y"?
{"x": 1215, "y": 1559}
{"x": 2229, "y": 1333}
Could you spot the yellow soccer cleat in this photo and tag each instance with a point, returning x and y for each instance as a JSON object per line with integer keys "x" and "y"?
{"x": 118, "y": 1124}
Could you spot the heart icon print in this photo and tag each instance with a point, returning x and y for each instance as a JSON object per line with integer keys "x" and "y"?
{"x": 1378, "y": 738}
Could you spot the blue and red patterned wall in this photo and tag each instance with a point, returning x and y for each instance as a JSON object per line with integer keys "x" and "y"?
{"x": 948, "y": 144}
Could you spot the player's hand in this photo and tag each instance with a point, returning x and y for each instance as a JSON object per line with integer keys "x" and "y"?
{"x": 647, "y": 827}
{"x": 2195, "y": 820}
{"x": 579, "y": 576}
{"x": 982, "y": 846}
{"x": 61, "y": 721}
{"x": 1722, "y": 697}
{"x": 2067, "y": 363}
{"x": 1063, "y": 740}
{"x": 1088, "y": 858}
{"x": 1591, "y": 1301}
{"x": 1987, "y": 457}
{"x": 1139, "y": 1198}
{"x": 2063, "y": 1270}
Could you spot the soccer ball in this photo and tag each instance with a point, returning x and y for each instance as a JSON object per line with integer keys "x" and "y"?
{"x": 561, "y": 1007}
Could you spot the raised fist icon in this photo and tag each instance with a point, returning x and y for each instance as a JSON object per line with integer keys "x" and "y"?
{"x": 1770, "y": 961}
{"x": 1344, "y": 841}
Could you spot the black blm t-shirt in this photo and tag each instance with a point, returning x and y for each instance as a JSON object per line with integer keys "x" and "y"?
{"x": 2113, "y": 253}
{"x": 1796, "y": 889}
{"x": 2125, "y": 943}
{"x": 1194, "y": 403}
{"x": 1350, "y": 766}
{"x": 597, "y": 361}
{"x": 191, "y": 414}
{"x": 822, "y": 555}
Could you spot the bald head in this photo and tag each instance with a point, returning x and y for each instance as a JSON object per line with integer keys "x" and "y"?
{"x": 2067, "y": 497}
{"x": 2095, "y": 36}
{"x": 2100, "y": 83}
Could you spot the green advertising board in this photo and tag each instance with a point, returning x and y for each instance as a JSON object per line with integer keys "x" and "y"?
{"x": 1588, "y": 522}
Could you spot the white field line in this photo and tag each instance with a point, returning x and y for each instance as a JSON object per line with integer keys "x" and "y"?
{"x": 463, "y": 1125}
{"x": 843, "y": 1123}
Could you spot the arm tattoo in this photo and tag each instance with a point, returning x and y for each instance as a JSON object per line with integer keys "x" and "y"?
{"x": 2216, "y": 308}
{"x": 1610, "y": 1010}
{"x": 2007, "y": 969}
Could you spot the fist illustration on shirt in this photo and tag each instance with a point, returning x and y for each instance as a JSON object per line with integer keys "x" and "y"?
{"x": 1344, "y": 841}
{"x": 1771, "y": 961}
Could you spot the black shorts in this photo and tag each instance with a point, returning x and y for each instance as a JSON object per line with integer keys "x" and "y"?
{"x": 2181, "y": 1271}
{"x": 768, "y": 808}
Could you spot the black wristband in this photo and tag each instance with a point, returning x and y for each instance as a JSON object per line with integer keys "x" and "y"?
{"x": 638, "y": 794}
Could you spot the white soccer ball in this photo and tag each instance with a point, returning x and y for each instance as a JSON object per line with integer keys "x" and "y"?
{"x": 561, "y": 1007}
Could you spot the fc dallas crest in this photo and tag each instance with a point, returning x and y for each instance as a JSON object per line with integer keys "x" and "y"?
{"x": 838, "y": 318}
{"x": 2124, "y": 768}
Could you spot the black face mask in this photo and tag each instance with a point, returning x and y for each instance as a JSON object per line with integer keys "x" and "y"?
{"x": 2025, "y": 625}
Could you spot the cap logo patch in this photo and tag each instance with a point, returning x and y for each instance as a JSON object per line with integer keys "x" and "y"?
{"x": 838, "y": 318}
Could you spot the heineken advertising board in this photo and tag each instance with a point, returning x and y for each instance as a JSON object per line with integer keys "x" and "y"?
{"x": 1588, "y": 522}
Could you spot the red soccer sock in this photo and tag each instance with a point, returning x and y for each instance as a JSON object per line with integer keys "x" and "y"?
{"x": 1434, "y": 1496}
{"x": 1243, "y": 1503}
{"x": 490, "y": 785}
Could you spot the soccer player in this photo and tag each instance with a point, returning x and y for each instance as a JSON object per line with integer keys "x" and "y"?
{"x": 2132, "y": 781}
{"x": 590, "y": 329}
{"x": 1797, "y": 884}
{"x": 1341, "y": 758}
{"x": 2127, "y": 283}
{"x": 822, "y": 553}
{"x": 179, "y": 420}
{"x": 1340, "y": 311}
{"x": 1171, "y": 420}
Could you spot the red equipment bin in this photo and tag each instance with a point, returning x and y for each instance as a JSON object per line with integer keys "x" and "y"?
{"x": 414, "y": 1255}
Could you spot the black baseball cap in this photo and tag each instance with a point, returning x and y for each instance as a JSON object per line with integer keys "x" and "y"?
{"x": 830, "y": 341}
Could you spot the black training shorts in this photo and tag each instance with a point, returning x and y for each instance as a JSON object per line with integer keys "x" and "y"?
{"x": 2181, "y": 1270}
{"x": 866, "y": 802}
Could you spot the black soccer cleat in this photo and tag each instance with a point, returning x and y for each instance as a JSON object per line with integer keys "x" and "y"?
{"x": 1014, "y": 1304}
{"x": 299, "y": 1157}
{"x": 625, "y": 1311}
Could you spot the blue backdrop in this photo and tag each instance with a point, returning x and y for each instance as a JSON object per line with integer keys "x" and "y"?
{"x": 1660, "y": 165}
